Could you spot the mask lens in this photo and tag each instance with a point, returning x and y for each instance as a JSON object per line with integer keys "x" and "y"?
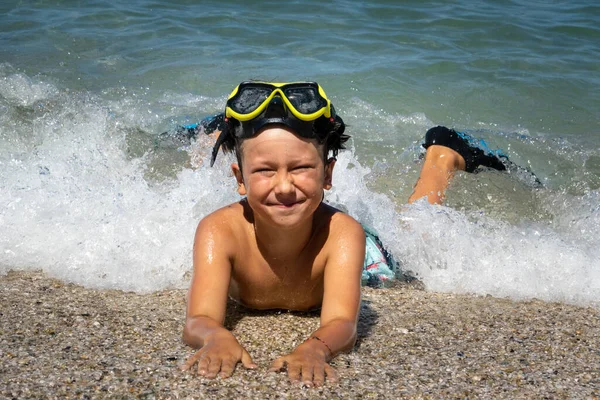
{"x": 249, "y": 99}
{"x": 305, "y": 99}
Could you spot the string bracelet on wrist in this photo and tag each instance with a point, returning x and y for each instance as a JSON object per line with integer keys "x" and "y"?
{"x": 322, "y": 341}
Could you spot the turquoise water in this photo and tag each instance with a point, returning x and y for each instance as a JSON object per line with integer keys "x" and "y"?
{"x": 89, "y": 193}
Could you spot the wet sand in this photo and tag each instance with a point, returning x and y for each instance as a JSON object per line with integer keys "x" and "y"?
{"x": 64, "y": 341}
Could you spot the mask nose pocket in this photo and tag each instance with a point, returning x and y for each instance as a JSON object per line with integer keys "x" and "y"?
{"x": 276, "y": 108}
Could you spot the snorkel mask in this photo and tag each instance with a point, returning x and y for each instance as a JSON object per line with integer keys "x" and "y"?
{"x": 301, "y": 106}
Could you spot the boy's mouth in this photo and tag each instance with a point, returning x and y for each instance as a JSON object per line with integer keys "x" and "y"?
{"x": 287, "y": 204}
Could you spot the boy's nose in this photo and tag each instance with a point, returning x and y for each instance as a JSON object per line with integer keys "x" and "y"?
{"x": 285, "y": 183}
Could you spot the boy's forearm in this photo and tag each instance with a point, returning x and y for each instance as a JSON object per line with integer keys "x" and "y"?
{"x": 199, "y": 329}
{"x": 335, "y": 337}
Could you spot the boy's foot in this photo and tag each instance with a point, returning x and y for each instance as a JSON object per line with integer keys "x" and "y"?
{"x": 186, "y": 133}
{"x": 207, "y": 126}
{"x": 477, "y": 153}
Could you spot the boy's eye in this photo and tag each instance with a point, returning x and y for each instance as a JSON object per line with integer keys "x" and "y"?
{"x": 264, "y": 171}
{"x": 302, "y": 167}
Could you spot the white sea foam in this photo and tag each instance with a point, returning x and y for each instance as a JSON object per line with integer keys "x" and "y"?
{"x": 453, "y": 251}
{"x": 73, "y": 204}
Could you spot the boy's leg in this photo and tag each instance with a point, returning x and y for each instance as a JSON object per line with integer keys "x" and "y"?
{"x": 449, "y": 150}
{"x": 441, "y": 163}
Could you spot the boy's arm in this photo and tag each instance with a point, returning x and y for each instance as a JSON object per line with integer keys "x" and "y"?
{"x": 207, "y": 300}
{"x": 339, "y": 312}
{"x": 342, "y": 288}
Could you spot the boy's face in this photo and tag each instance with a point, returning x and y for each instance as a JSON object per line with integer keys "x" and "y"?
{"x": 282, "y": 176}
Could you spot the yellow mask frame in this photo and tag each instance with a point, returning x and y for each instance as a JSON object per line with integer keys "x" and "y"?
{"x": 242, "y": 106}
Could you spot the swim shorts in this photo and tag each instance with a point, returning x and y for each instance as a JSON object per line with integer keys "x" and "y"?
{"x": 379, "y": 268}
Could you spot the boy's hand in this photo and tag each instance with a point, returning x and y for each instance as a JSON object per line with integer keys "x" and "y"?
{"x": 219, "y": 356}
{"x": 308, "y": 364}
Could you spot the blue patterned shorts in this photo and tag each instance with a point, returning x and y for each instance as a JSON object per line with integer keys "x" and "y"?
{"x": 380, "y": 267}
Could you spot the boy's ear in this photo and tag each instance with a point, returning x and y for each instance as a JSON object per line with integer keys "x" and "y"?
{"x": 327, "y": 183}
{"x": 237, "y": 171}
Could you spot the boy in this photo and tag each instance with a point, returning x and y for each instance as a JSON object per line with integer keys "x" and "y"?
{"x": 281, "y": 247}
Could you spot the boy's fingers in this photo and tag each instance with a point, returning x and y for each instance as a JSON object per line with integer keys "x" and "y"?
{"x": 277, "y": 365}
{"x": 190, "y": 361}
{"x": 186, "y": 365}
{"x": 247, "y": 360}
{"x": 332, "y": 375}
{"x": 213, "y": 368}
{"x": 307, "y": 375}
{"x": 227, "y": 368}
{"x": 203, "y": 366}
{"x": 319, "y": 376}
{"x": 294, "y": 372}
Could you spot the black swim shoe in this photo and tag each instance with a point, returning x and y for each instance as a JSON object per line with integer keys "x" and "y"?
{"x": 477, "y": 153}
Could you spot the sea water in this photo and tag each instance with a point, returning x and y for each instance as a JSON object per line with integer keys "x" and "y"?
{"x": 92, "y": 193}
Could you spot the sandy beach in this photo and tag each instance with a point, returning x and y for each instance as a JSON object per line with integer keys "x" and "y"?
{"x": 63, "y": 341}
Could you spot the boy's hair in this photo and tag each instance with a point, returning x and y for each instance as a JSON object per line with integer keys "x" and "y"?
{"x": 328, "y": 133}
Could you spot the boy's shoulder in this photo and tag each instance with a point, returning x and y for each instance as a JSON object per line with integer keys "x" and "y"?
{"x": 343, "y": 241}
{"x": 226, "y": 220}
{"x": 236, "y": 209}
{"x": 336, "y": 221}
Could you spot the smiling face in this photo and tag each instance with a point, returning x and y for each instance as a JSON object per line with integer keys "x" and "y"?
{"x": 282, "y": 176}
